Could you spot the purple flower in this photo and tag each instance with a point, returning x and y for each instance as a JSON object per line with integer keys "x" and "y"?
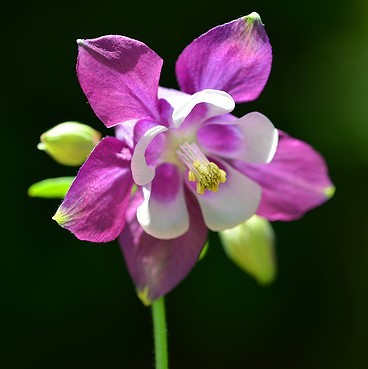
{"x": 197, "y": 166}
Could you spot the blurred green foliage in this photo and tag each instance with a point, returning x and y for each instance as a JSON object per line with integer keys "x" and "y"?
{"x": 70, "y": 304}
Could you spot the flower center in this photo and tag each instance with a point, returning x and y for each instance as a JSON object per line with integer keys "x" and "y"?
{"x": 206, "y": 173}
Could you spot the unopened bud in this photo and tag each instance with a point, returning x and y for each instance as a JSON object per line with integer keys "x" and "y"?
{"x": 69, "y": 143}
{"x": 251, "y": 246}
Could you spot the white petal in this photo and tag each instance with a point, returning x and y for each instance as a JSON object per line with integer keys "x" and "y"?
{"x": 260, "y": 138}
{"x": 161, "y": 216}
{"x": 219, "y": 102}
{"x": 174, "y": 97}
{"x": 236, "y": 200}
{"x": 142, "y": 173}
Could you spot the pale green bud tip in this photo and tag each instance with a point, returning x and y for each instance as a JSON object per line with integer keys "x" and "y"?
{"x": 143, "y": 296}
{"x": 80, "y": 42}
{"x": 69, "y": 143}
{"x": 60, "y": 217}
{"x": 41, "y": 146}
{"x": 51, "y": 188}
{"x": 250, "y": 245}
{"x": 329, "y": 191}
{"x": 253, "y": 17}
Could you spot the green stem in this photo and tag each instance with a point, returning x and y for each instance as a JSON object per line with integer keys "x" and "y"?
{"x": 160, "y": 333}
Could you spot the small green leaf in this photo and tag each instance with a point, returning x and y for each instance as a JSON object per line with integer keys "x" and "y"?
{"x": 51, "y": 188}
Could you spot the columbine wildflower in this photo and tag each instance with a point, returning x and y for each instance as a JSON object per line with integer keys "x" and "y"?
{"x": 196, "y": 166}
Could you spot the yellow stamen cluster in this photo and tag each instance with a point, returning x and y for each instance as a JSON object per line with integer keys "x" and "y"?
{"x": 208, "y": 176}
{"x": 206, "y": 173}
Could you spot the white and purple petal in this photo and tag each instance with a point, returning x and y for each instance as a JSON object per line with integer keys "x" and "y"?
{"x": 234, "y": 57}
{"x": 235, "y": 201}
{"x": 146, "y": 131}
{"x": 163, "y": 213}
{"x": 252, "y": 138}
{"x": 203, "y": 105}
{"x": 294, "y": 182}
{"x": 120, "y": 78}
{"x": 155, "y": 265}
{"x": 95, "y": 205}
{"x": 174, "y": 97}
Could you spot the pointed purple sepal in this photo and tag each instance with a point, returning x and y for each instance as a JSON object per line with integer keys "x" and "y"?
{"x": 295, "y": 181}
{"x": 95, "y": 205}
{"x": 120, "y": 78}
{"x": 157, "y": 266}
{"x": 235, "y": 57}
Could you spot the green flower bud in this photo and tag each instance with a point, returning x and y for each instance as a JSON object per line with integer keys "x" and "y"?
{"x": 251, "y": 246}
{"x": 69, "y": 143}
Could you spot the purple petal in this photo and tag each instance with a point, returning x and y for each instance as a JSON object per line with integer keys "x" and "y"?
{"x": 95, "y": 205}
{"x": 235, "y": 57}
{"x": 224, "y": 140}
{"x": 125, "y": 132}
{"x": 166, "y": 111}
{"x": 120, "y": 78}
{"x": 163, "y": 213}
{"x": 294, "y": 182}
{"x": 157, "y": 266}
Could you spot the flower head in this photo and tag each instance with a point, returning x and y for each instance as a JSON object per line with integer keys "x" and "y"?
{"x": 196, "y": 165}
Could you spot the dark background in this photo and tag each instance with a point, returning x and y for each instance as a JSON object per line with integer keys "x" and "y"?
{"x": 70, "y": 304}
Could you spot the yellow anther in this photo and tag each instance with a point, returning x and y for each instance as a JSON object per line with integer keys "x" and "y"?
{"x": 207, "y": 175}
{"x": 191, "y": 176}
{"x": 200, "y": 189}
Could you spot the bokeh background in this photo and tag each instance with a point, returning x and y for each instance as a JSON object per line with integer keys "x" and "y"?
{"x": 70, "y": 304}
